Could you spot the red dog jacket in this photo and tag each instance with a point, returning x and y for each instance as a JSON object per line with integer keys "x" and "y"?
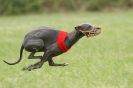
{"x": 61, "y": 41}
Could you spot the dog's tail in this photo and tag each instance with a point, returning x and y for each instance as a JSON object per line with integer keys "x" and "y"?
{"x": 20, "y": 58}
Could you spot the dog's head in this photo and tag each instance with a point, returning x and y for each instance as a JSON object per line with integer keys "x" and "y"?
{"x": 88, "y": 30}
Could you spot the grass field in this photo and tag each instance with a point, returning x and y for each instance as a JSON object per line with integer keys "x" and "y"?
{"x": 105, "y": 61}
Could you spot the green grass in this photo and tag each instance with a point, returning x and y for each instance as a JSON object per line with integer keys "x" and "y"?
{"x": 105, "y": 61}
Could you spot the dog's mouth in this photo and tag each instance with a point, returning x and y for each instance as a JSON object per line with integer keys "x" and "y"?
{"x": 93, "y": 32}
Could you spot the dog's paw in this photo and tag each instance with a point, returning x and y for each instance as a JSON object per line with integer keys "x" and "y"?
{"x": 29, "y": 68}
{"x": 66, "y": 64}
{"x": 32, "y": 67}
{"x": 26, "y": 69}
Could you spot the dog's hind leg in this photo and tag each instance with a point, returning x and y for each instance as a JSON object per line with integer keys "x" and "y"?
{"x": 51, "y": 63}
{"x": 31, "y": 56}
{"x": 39, "y": 64}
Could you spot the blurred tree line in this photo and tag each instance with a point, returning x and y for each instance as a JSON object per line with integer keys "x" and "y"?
{"x": 8, "y": 7}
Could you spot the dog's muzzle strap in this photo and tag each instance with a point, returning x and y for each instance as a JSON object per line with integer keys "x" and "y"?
{"x": 89, "y": 33}
{"x": 86, "y": 33}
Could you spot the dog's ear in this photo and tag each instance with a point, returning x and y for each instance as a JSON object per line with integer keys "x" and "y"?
{"x": 78, "y": 27}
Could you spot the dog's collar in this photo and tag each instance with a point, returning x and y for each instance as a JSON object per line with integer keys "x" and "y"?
{"x": 61, "y": 41}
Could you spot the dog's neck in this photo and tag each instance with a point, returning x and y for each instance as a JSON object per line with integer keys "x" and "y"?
{"x": 73, "y": 37}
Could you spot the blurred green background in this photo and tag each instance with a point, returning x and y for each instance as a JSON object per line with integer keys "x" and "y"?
{"x": 26, "y": 6}
{"x": 104, "y": 61}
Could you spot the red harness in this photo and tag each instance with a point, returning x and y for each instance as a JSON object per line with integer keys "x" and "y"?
{"x": 61, "y": 41}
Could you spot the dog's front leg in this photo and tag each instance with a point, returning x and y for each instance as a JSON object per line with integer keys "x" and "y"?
{"x": 39, "y": 64}
{"x": 51, "y": 63}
